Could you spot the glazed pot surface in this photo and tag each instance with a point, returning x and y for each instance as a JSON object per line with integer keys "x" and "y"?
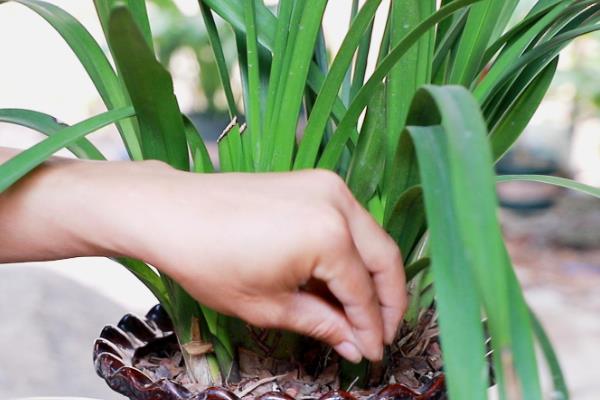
{"x": 56, "y": 398}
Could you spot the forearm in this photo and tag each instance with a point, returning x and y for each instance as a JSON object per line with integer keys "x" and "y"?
{"x": 59, "y": 210}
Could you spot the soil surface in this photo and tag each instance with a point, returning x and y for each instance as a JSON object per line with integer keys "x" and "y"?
{"x": 415, "y": 365}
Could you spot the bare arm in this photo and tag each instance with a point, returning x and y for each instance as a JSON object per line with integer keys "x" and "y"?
{"x": 260, "y": 238}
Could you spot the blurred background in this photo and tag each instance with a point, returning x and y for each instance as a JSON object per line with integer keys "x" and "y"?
{"x": 52, "y": 312}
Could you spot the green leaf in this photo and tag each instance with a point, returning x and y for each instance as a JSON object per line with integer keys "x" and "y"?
{"x": 412, "y": 70}
{"x": 542, "y": 55}
{"x": 95, "y": 63}
{"x": 294, "y": 85}
{"x": 460, "y": 322}
{"x": 230, "y": 144}
{"x": 347, "y": 84}
{"x": 416, "y": 268}
{"x": 138, "y": 11}
{"x": 48, "y": 126}
{"x": 284, "y": 17}
{"x": 162, "y": 132}
{"x": 553, "y": 180}
{"x": 361, "y": 62}
{"x": 467, "y": 250}
{"x": 561, "y": 392}
{"x": 232, "y": 11}
{"x": 368, "y": 160}
{"x": 336, "y": 145}
{"x": 149, "y": 278}
{"x": 486, "y": 21}
{"x": 322, "y": 109}
{"x": 539, "y": 11}
{"x": 402, "y": 174}
{"x": 18, "y": 166}
{"x": 446, "y": 47}
{"x": 200, "y": 156}
{"x": 254, "y": 104}
{"x": 514, "y": 49}
{"x": 406, "y": 221}
{"x": 516, "y": 118}
{"x": 215, "y": 43}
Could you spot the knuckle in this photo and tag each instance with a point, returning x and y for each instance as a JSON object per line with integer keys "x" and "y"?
{"x": 333, "y": 184}
{"x": 389, "y": 260}
{"x": 325, "y": 330}
{"x": 403, "y": 305}
{"x": 395, "y": 255}
{"x": 333, "y": 230}
{"x": 270, "y": 316}
{"x": 155, "y": 164}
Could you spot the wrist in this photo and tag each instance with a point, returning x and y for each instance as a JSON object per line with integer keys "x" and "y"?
{"x": 41, "y": 216}
{"x": 119, "y": 203}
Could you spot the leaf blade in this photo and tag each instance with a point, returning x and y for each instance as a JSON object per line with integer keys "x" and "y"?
{"x": 162, "y": 133}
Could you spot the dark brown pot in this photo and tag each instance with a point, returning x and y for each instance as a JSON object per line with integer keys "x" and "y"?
{"x": 118, "y": 348}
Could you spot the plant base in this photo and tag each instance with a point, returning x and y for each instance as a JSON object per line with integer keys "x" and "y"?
{"x": 140, "y": 359}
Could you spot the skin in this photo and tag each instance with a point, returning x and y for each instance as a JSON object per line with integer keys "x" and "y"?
{"x": 293, "y": 251}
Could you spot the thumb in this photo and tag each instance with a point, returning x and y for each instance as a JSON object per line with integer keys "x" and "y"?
{"x": 312, "y": 316}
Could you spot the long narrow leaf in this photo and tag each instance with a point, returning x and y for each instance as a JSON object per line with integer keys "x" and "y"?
{"x": 368, "y": 161}
{"x": 348, "y": 123}
{"x": 561, "y": 392}
{"x": 138, "y": 11}
{"x": 18, "y": 166}
{"x": 232, "y": 11}
{"x": 461, "y": 330}
{"x": 215, "y": 42}
{"x": 313, "y": 133}
{"x": 452, "y": 178}
{"x": 254, "y": 105}
{"x": 517, "y": 117}
{"x": 291, "y": 99}
{"x": 553, "y": 180}
{"x": 200, "y": 156}
{"x": 486, "y": 20}
{"x": 149, "y": 278}
{"x": 406, "y": 221}
{"x": 49, "y": 126}
{"x": 95, "y": 63}
{"x": 412, "y": 70}
{"x": 162, "y": 132}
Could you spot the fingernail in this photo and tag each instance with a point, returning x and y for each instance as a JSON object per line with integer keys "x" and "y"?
{"x": 349, "y": 351}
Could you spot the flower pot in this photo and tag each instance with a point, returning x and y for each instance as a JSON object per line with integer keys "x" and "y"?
{"x": 121, "y": 355}
{"x": 527, "y": 196}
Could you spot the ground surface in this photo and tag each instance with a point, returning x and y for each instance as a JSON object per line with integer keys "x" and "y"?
{"x": 40, "y": 342}
{"x": 49, "y": 323}
{"x": 558, "y": 254}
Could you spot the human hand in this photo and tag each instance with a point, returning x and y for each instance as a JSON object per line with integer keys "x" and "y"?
{"x": 293, "y": 251}
{"x": 256, "y": 246}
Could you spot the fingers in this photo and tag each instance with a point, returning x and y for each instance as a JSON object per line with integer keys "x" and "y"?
{"x": 379, "y": 253}
{"x": 312, "y": 316}
{"x": 349, "y": 281}
{"x": 383, "y": 260}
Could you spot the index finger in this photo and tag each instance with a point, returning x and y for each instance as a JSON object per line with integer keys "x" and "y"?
{"x": 349, "y": 281}
{"x": 383, "y": 260}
